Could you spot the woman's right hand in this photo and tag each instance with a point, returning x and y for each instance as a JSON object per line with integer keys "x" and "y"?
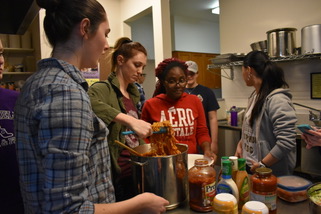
{"x": 238, "y": 152}
{"x": 151, "y": 203}
{"x": 141, "y": 128}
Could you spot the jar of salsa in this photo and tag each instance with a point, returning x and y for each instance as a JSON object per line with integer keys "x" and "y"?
{"x": 263, "y": 188}
{"x": 201, "y": 179}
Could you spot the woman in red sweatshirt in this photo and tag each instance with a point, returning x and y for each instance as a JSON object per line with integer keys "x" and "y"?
{"x": 184, "y": 111}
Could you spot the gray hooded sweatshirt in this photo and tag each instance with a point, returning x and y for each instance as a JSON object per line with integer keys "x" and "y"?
{"x": 273, "y": 132}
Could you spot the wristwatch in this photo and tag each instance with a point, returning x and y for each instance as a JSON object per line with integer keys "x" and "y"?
{"x": 262, "y": 165}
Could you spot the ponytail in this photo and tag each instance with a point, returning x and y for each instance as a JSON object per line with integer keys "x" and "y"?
{"x": 269, "y": 72}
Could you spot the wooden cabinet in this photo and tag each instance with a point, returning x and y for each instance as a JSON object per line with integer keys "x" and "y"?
{"x": 20, "y": 62}
{"x": 205, "y": 77}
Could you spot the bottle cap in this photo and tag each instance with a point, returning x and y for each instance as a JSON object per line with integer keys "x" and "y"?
{"x": 227, "y": 168}
{"x": 201, "y": 162}
{"x": 242, "y": 164}
{"x": 256, "y": 207}
{"x": 225, "y": 202}
{"x": 263, "y": 171}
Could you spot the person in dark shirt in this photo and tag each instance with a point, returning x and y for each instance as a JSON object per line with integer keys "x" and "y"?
{"x": 208, "y": 98}
{"x": 10, "y": 196}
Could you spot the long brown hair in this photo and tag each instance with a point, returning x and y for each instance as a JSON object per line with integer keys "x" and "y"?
{"x": 127, "y": 48}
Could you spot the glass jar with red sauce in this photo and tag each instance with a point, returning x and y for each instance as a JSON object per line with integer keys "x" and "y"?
{"x": 202, "y": 180}
{"x": 263, "y": 188}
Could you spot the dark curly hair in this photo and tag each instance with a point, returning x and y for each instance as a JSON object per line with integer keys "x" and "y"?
{"x": 162, "y": 70}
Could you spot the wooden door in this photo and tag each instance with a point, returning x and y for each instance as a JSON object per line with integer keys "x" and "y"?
{"x": 205, "y": 77}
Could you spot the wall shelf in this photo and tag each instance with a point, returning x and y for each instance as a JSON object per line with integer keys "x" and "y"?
{"x": 18, "y": 73}
{"x": 231, "y": 65}
{"x": 278, "y": 59}
{"x": 18, "y": 50}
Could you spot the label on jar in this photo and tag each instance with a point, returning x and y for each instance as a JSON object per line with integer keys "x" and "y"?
{"x": 209, "y": 194}
{"x": 268, "y": 200}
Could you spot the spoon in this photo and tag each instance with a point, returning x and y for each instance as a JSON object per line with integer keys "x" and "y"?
{"x": 132, "y": 151}
{"x": 161, "y": 131}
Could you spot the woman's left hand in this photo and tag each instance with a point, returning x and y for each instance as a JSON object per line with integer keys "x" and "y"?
{"x": 254, "y": 166}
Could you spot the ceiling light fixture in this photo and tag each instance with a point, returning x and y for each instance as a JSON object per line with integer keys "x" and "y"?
{"x": 216, "y": 10}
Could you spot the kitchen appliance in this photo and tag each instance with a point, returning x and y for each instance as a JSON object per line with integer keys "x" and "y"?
{"x": 281, "y": 42}
{"x": 311, "y": 39}
{"x": 165, "y": 176}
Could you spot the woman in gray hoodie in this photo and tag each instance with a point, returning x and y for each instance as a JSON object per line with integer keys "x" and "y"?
{"x": 268, "y": 131}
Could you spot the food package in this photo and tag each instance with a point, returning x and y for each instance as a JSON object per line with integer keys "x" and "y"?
{"x": 292, "y": 188}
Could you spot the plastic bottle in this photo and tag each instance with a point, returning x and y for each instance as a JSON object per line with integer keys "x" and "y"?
{"x": 201, "y": 179}
{"x": 225, "y": 203}
{"x": 223, "y": 158}
{"x": 235, "y": 167}
{"x": 242, "y": 183}
{"x": 233, "y": 116}
{"x": 226, "y": 184}
{"x": 263, "y": 188}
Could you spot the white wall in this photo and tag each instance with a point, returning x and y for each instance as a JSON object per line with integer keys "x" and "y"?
{"x": 195, "y": 35}
{"x": 133, "y": 9}
{"x": 247, "y": 21}
{"x": 112, "y": 8}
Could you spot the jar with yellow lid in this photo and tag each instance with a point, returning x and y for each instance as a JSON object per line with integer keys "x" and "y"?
{"x": 263, "y": 188}
{"x": 225, "y": 203}
{"x": 254, "y": 207}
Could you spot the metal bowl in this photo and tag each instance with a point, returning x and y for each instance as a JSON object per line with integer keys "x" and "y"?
{"x": 313, "y": 191}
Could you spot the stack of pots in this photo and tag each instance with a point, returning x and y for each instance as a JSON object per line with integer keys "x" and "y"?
{"x": 281, "y": 42}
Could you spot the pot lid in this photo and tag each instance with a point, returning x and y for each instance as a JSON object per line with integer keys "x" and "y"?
{"x": 293, "y": 183}
{"x": 281, "y": 29}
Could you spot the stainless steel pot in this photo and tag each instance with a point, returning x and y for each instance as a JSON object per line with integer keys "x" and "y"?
{"x": 281, "y": 42}
{"x": 311, "y": 39}
{"x": 165, "y": 176}
{"x": 259, "y": 46}
{"x": 312, "y": 191}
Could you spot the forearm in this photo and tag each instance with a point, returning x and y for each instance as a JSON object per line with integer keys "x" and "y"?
{"x": 213, "y": 130}
{"x": 269, "y": 160}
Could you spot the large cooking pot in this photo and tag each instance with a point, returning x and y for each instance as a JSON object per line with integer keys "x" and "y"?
{"x": 311, "y": 39}
{"x": 281, "y": 42}
{"x": 165, "y": 176}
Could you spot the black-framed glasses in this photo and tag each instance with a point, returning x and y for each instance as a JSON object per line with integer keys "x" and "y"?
{"x": 181, "y": 82}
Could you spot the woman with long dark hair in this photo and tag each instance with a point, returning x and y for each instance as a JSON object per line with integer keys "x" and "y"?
{"x": 268, "y": 131}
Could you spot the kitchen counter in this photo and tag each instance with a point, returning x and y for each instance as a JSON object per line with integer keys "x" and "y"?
{"x": 223, "y": 124}
{"x": 283, "y": 207}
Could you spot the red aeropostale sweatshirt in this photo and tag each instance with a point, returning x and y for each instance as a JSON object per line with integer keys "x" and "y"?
{"x": 185, "y": 114}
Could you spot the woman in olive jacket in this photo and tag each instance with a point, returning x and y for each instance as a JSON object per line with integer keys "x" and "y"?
{"x": 115, "y": 101}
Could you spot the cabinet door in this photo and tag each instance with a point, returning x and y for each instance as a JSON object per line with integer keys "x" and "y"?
{"x": 205, "y": 77}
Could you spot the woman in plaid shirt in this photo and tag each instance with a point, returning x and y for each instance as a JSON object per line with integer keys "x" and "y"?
{"x": 62, "y": 148}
